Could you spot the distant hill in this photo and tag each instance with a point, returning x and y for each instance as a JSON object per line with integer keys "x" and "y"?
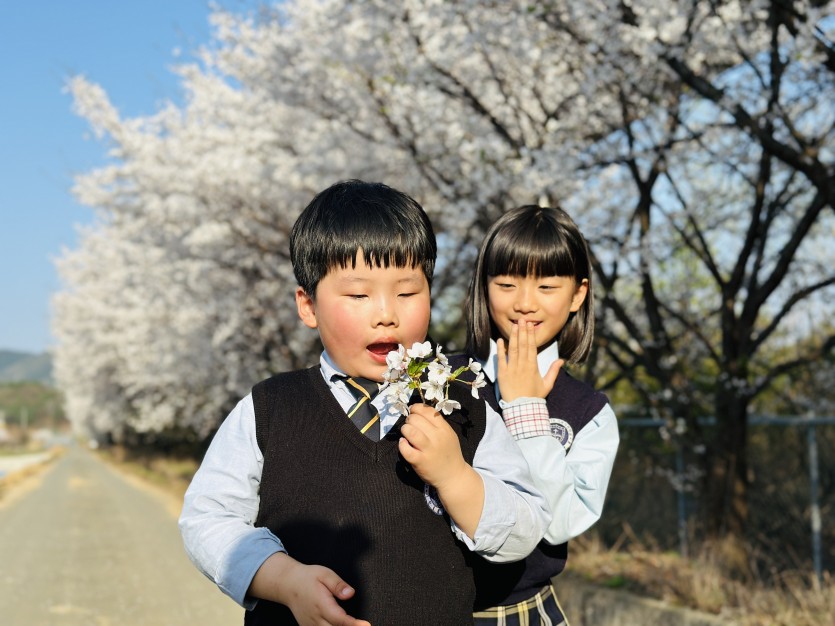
{"x": 25, "y": 366}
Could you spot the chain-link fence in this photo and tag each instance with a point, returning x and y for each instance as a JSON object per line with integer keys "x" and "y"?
{"x": 654, "y": 491}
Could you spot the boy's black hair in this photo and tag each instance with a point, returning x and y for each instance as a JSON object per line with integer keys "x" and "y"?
{"x": 537, "y": 241}
{"x": 389, "y": 226}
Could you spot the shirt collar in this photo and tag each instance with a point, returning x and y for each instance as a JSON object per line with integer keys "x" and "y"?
{"x": 544, "y": 360}
{"x": 330, "y": 370}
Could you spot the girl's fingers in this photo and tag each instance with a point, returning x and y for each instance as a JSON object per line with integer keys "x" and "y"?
{"x": 551, "y": 376}
{"x": 513, "y": 347}
{"x": 500, "y": 349}
{"x": 531, "y": 346}
{"x": 525, "y": 342}
{"x": 501, "y": 353}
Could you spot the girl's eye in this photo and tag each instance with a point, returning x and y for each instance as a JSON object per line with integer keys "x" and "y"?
{"x": 406, "y": 295}
{"x": 357, "y": 296}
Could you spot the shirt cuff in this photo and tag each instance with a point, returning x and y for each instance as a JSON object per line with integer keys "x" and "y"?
{"x": 526, "y": 417}
{"x": 498, "y": 519}
{"x": 242, "y": 561}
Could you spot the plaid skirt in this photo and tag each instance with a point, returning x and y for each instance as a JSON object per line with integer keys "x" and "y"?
{"x": 543, "y": 609}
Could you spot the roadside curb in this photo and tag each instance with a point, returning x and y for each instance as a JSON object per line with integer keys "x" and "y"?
{"x": 592, "y": 605}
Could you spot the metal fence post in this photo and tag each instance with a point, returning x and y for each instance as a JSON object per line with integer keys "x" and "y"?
{"x": 814, "y": 476}
{"x": 682, "y": 504}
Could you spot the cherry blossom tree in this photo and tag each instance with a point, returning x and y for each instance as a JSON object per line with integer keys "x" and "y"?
{"x": 691, "y": 140}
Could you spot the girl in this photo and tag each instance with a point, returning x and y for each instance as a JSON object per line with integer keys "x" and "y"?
{"x": 530, "y": 309}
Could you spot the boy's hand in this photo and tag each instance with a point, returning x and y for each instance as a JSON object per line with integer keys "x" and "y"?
{"x": 518, "y": 371}
{"x": 309, "y": 591}
{"x": 431, "y": 447}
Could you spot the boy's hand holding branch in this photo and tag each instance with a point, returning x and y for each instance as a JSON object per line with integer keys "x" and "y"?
{"x": 431, "y": 447}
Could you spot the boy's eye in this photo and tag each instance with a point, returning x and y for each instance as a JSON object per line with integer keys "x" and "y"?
{"x": 357, "y": 296}
{"x": 407, "y": 294}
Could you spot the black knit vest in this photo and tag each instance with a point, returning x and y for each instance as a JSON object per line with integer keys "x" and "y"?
{"x": 335, "y": 498}
{"x": 575, "y": 403}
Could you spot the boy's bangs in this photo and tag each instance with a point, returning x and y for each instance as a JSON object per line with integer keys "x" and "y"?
{"x": 379, "y": 251}
{"x": 530, "y": 253}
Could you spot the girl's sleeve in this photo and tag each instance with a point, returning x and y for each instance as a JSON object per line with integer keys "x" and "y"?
{"x": 574, "y": 484}
{"x": 220, "y": 507}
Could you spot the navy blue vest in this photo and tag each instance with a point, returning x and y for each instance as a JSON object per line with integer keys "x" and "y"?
{"x": 571, "y": 405}
{"x": 335, "y": 498}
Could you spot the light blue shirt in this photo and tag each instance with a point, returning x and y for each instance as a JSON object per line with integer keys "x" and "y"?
{"x": 574, "y": 482}
{"x": 221, "y": 503}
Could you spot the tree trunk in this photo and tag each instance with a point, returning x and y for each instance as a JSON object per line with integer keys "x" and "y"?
{"x": 725, "y": 492}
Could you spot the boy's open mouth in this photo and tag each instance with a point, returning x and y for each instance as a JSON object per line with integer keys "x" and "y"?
{"x": 382, "y": 349}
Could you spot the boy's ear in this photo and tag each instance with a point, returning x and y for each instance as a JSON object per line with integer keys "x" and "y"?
{"x": 580, "y": 295}
{"x": 306, "y": 308}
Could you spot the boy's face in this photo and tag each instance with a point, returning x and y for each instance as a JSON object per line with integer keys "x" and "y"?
{"x": 363, "y": 313}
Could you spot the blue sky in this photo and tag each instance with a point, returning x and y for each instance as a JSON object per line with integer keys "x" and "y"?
{"x": 126, "y": 46}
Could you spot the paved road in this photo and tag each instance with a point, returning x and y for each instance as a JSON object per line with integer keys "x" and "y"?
{"x": 82, "y": 546}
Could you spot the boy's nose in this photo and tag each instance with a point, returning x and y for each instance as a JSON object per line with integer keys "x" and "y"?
{"x": 385, "y": 313}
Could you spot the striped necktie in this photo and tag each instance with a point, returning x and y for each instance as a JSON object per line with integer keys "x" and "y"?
{"x": 363, "y": 413}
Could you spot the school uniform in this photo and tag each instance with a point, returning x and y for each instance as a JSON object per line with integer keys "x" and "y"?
{"x": 572, "y": 468}
{"x": 303, "y": 482}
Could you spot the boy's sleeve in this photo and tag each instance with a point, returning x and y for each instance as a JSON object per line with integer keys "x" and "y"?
{"x": 515, "y": 513}
{"x": 220, "y": 507}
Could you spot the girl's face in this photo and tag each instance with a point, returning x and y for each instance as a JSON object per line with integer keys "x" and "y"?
{"x": 546, "y": 301}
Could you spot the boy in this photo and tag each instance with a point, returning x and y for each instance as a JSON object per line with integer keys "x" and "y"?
{"x": 294, "y": 509}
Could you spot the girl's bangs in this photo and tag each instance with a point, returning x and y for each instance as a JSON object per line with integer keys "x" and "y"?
{"x": 530, "y": 253}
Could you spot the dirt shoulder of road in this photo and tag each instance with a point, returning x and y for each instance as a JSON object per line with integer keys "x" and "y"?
{"x": 164, "y": 479}
{"x": 18, "y": 482}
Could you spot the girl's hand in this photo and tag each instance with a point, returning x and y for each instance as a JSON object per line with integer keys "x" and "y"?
{"x": 518, "y": 371}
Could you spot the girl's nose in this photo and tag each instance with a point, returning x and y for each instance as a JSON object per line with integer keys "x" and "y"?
{"x": 524, "y": 302}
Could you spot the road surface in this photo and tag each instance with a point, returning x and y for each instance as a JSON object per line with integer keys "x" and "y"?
{"x": 80, "y": 545}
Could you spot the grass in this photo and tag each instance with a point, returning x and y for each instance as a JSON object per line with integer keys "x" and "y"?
{"x": 168, "y": 473}
{"x": 706, "y": 582}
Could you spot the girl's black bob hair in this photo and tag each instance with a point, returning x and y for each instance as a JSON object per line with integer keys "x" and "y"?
{"x": 532, "y": 241}
{"x": 389, "y": 226}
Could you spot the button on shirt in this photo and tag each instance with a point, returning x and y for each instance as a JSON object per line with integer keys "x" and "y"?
{"x": 221, "y": 503}
{"x": 574, "y": 484}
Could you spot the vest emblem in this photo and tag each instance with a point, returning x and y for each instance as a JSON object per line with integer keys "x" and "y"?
{"x": 563, "y": 432}
{"x": 430, "y": 494}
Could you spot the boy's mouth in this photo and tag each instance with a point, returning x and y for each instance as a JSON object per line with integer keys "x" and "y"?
{"x": 381, "y": 350}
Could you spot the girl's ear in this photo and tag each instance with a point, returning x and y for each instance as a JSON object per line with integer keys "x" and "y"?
{"x": 306, "y": 308}
{"x": 580, "y": 294}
